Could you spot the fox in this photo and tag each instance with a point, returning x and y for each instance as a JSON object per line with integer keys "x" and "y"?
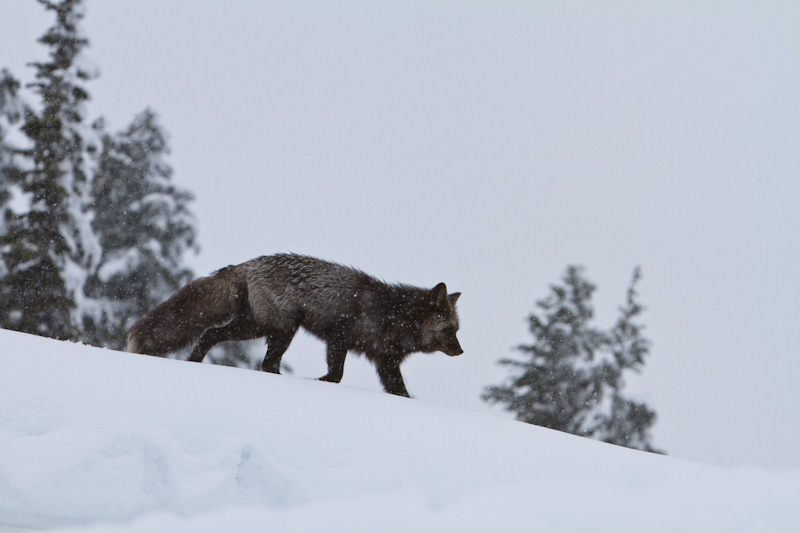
{"x": 273, "y": 296}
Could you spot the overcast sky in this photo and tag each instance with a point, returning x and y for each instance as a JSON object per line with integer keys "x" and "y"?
{"x": 489, "y": 145}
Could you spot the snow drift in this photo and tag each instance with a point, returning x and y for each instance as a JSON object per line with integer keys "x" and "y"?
{"x": 106, "y": 441}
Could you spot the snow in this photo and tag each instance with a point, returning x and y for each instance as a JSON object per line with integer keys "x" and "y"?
{"x": 96, "y": 440}
{"x": 84, "y": 67}
{"x": 119, "y": 264}
{"x": 20, "y": 201}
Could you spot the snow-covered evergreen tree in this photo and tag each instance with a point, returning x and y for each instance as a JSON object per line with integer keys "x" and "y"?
{"x": 11, "y": 113}
{"x": 571, "y": 379}
{"x": 627, "y": 423}
{"x": 101, "y": 238}
{"x": 144, "y": 228}
{"x": 47, "y": 248}
{"x": 241, "y": 354}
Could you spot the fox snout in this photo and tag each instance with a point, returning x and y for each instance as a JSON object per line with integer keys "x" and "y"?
{"x": 453, "y": 349}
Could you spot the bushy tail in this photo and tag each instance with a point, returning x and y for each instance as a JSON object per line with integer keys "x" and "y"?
{"x": 180, "y": 321}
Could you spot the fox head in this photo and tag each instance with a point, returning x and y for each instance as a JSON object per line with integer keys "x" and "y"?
{"x": 439, "y": 327}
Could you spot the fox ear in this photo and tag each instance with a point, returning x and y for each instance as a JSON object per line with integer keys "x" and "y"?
{"x": 453, "y": 298}
{"x": 438, "y": 296}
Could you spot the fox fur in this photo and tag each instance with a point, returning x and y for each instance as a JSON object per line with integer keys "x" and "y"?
{"x": 272, "y": 296}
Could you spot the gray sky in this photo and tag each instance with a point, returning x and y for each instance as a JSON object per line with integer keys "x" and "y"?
{"x": 489, "y": 145}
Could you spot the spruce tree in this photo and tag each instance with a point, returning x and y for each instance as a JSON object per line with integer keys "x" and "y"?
{"x": 572, "y": 375}
{"x": 46, "y": 249}
{"x": 11, "y": 113}
{"x": 241, "y": 354}
{"x": 628, "y": 422}
{"x": 102, "y": 238}
{"x": 144, "y": 227}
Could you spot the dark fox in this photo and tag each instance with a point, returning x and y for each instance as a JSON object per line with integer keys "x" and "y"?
{"x": 273, "y": 296}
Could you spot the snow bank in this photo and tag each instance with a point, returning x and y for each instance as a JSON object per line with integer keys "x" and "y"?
{"x": 107, "y": 441}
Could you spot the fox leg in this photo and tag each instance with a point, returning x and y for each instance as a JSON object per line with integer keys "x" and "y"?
{"x": 336, "y": 356}
{"x": 208, "y": 340}
{"x": 277, "y": 343}
{"x": 391, "y": 378}
{"x": 239, "y": 329}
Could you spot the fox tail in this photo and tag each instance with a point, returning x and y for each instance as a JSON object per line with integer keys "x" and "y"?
{"x": 181, "y": 320}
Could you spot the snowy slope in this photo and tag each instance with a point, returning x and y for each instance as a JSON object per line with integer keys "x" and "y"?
{"x": 107, "y": 441}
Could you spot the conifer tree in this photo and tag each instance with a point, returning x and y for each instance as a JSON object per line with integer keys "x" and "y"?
{"x": 572, "y": 377}
{"x": 11, "y": 113}
{"x": 242, "y": 354}
{"x": 144, "y": 227}
{"x": 628, "y": 422}
{"x": 45, "y": 250}
{"x": 102, "y": 239}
